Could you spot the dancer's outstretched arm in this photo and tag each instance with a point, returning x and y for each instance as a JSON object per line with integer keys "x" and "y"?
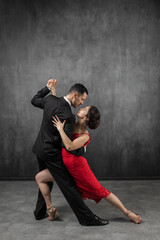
{"x": 70, "y": 145}
{"x": 39, "y": 99}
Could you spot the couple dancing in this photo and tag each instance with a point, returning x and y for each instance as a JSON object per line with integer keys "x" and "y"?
{"x": 59, "y": 147}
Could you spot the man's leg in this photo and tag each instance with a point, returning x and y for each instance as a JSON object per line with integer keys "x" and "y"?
{"x": 70, "y": 192}
{"x": 40, "y": 210}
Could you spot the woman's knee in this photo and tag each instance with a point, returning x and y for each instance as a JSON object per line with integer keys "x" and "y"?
{"x": 39, "y": 177}
{"x": 44, "y": 176}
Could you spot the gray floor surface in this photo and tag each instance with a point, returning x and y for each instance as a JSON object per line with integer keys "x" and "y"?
{"x": 17, "y": 202}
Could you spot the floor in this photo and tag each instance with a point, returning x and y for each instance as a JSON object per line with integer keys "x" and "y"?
{"x": 17, "y": 202}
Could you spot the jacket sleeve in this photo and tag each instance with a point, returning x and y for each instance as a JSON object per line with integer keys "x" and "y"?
{"x": 68, "y": 128}
{"x": 38, "y": 99}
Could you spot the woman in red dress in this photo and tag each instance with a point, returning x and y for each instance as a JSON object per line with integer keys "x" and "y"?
{"x": 87, "y": 184}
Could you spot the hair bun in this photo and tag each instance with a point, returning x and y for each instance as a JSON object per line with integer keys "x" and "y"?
{"x": 94, "y": 117}
{"x": 94, "y": 124}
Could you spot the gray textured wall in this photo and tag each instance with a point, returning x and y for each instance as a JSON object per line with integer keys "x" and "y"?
{"x": 111, "y": 46}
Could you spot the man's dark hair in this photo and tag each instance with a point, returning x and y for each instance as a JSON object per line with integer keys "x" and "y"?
{"x": 79, "y": 88}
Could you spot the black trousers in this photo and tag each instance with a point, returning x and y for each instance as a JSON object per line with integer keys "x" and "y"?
{"x": 67, "y": 185}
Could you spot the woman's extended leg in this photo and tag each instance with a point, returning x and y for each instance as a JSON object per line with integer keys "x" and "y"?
{"x": 42, "y": 179}
{"x": 118, "y": 204}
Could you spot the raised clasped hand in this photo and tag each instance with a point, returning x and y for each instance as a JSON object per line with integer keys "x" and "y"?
{"x": 51, "y": 83}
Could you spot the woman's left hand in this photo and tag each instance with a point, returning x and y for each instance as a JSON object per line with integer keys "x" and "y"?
{"x": 57, "y": 123}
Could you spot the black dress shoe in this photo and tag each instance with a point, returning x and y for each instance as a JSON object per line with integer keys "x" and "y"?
{"x": 96, "y": 221}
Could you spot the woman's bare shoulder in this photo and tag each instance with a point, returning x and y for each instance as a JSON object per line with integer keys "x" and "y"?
{"x": 86, "y": 131}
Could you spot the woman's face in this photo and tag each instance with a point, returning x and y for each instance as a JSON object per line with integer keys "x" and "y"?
{"x": 83, "y": 112}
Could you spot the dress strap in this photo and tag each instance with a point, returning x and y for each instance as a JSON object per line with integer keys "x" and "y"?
{"x": 74, "y": 134}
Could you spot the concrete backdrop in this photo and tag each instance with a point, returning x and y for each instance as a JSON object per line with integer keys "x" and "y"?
{"x": 112, "y": 47}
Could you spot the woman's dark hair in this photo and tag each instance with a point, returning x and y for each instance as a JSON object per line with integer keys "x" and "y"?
{"x": 94, "y": 117}
{"x": 78, "y": 87}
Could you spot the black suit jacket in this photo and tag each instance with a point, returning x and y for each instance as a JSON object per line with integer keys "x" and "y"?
{"x": 48, "y": 143}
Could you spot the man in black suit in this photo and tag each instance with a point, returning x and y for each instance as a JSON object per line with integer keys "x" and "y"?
{"x": 48, "y": 146}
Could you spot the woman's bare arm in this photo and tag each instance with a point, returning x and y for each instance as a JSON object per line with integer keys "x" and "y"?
{"x": 51, "y": 84}
{"x": 70, "y": 145}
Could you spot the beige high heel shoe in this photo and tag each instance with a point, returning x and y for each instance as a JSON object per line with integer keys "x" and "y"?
{"x": 53, "y": 213}
{"x": 138, "y": 220}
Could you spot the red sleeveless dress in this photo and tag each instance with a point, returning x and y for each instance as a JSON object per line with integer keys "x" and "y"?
{"x": 87, "y": 184}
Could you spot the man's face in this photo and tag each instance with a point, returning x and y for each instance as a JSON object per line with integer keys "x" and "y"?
{"x": 78, "y": 100}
